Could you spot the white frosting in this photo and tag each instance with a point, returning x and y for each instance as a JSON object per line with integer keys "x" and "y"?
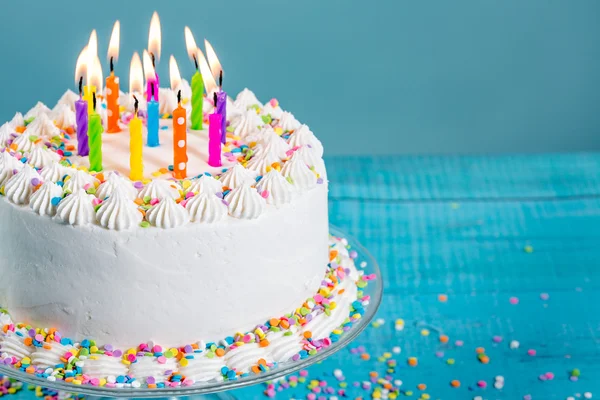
{"x": 19, "y": 187}
{"x": 167, "y": 214}
{"x": 265, "y": 159}
{"x": 158, "y": 189}
{"x": 149, "y": 366}
{"x": 274, "y": 112}
{"x": 119, "y": 212}
{"x": 233, "y": 111}
{"x": 8, "y": 166}
{"x": 12, "y": 344}
{"x": 246, "y": 99}
{"x": 311, "y": 158}
{"x": 247, "y": 124}
{"x": 205, "y": 184}
{"x": 53, "y": 172}
{"x": 206, "y": 207}
{"x": 236, "y": 176}
{"x": 42, "y": 126}
{"x": 49, "y": 358}
{"x": 288, "y": 122}
{"x": 202, "y": 368}
{"x": 102, "y": 366}
{"x": 41, "y": 200}
{"x": 6, "y": 132}
{"x": 24, "y": 143}
{"x": 114, "y": 181}
{"x": 17, "y": 120}
{"x": 244, "y": 357}
{"x": 167, "y": 101}
{"x": 271, "y": 141}
{"x": 299, "y": 173}
{"x": 279, "y": 190}
{"x": 68, "y": 99}
{"x": 41, "y": 157}
{"x": 78, "y": 179}
{"x": 304, "y": 136}
{"x": 245, "y": 202}
{"x": 37, "y": 110}
{"x": 63, "y": 115}
{"x": 76, "y": 209}
{"x": 284, "y": 344}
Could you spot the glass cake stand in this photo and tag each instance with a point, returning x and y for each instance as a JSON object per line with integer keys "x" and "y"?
{"x": 217, "y": 390}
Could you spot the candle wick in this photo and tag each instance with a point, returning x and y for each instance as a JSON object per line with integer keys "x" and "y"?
{"x": 195, "y": 62}
{"x": 112, "y": 66}
{"x": 94, "y": 102}
{"x": 215, "y": 98}
{"x": 152, "y": 89}
{"x": 220, "y": 79}
{"x": 80, "y": 85}
{"x": 153, "y": 60}
{"x": 179, "y": 97}
{"x": 135, "y": 105}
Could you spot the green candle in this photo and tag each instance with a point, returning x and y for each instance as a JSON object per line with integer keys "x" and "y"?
{"x": 197, "y": 100}
{"x": 95, "y": 130}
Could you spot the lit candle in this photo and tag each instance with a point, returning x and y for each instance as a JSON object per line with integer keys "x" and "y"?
{"x": 214, "y": 137}
{"x": 180, "y": 158}
{"x": 154, "y": 45}
{"x": 152, "y": 139}
{"x": 136, "y": 75}
{"x": 136, "y": 165}
{"x": 197, "y": 82}
{"x": 81, "y": 107}
{"x": 217, "y": 71}
{"x": 91, "y": 52}
{"x": 95, "y": 138}
{"x": 112, "y": 83}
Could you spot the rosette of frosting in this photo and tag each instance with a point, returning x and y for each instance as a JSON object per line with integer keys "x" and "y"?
{"x": 9, "y": 165}
{"x": 202, "y": 368}
{"x": 288, "y": 122}
{"x": 206, "y": 207}
{"x": 119, "y": 212}
{"x": 53, "y": 172}
{"x": 242, "y": 358}
{"x": 245, "y": 202}
{"x": 78, "y": 179}
{"x": 17, "y": 120}
{"x": 101, "y": 366}
{"x": 50, "y": 355}
{"x": 12, "y": 344}
{"x": 41, "y": 157}
{"x": 236, "y": 176}
{"x": 63, "y": 116}
{"x": 37, "y": 110}
{"x": 284, "y": 344}
{"x": 167, "y": 101}
{"x": 24, "y": 142}
{"x": 310, "y": 157}
{"x": 148, "y": 366}
{"x": 205, "y": 184}
{"x": 42, "y": 126}
{"x": 271, "y": 141}
{"x": 278, "y": 190}
{"x": 41, "y": 200}
{"x": 68, "y": 99}
{"x": 304, "y": 136}
{"x": 167, "y": 214}
{"x": 299, "y": 173}
{"x": 263, "y": 160}
{"x": 232, "y": 110}
{"x": 247, "y": 124}
{"x": 6, "y": 132}
{"x": 19, "y": 187}
{"x": 272, "y": 108}
{"x": 114, "y": 181}
{"x": 246, "y": 99}
{"x": 160, "y": 189}
{"x": 76, "y": 208}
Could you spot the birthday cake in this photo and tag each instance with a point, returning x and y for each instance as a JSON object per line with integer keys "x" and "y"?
{"x": 163, "y": 279}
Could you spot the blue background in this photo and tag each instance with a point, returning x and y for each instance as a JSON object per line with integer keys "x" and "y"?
{"x": 386, "y": 76}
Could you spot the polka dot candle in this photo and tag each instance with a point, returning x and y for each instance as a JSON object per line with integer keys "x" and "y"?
{"x": 179, "y": 141}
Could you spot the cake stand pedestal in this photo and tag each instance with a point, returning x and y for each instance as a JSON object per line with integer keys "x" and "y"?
{"x": 218, "y": 390}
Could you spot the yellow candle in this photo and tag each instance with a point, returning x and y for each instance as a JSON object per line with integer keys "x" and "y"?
{"x": 88, "y": 95}
{"x": 136, "y": 165}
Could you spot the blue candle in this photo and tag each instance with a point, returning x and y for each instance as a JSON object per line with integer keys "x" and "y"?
{"x": 153, "y": 121}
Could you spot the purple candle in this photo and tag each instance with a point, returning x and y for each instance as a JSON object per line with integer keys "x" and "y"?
{"x": 222, "y": 110}
{"x": 214, "y": 138}
{"x": 81, "y": 119}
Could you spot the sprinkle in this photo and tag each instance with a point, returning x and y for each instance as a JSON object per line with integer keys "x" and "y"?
{"x": 514, "y": 300}
{"x": 413, "y": 362}
{"x": 531, "y": 352}
{"x": 544, "y": 296}
{"x": 514, "y": 344}
{"x": 455, "y": 383}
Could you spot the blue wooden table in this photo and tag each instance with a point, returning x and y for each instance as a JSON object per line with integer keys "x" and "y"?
{"x": 514, "y": 244}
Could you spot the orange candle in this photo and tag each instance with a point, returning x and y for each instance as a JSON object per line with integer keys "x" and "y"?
{"x": 112, "y": 83}
{"x": 180, "y": 157}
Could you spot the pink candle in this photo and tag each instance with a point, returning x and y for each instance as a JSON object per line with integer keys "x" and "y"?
{"x": 214, "y": 139}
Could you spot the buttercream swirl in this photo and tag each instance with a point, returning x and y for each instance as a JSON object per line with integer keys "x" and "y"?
{"x": 12, "y": 344}
{"x": 63, "y": 116}
{"x": 18, "y": 189}
{"x": 159, "y": 189}
{"x": 49, "y": 357}
{"x": 246, "y": 99}
{"x": 42, "y": 126}
{"x": 247, "y": 124}
{"x": 119, "y": 212}
{"x": 9, "y": 165}
{"x": 245, "y": 202}
{"x": 41, "y": 200}
{"x": 206, "y": 184}
{"x": 299, "y": 173}
{"x": 310, "y": 157}
{"x": 76, "y": 209}
{"x": 202, "y": 368}
{"x": 37, "y": 110}
{"x": 236, "y": 176}
{"x": 6, "y": 131}
{"x": 262, "y": 161}
{"x": 206, "y": 207}
{"x": 23, "y": 143}
{"x": 288, "y": 122}
{"x": 17, "y": 120}
{"x": 304, "y": 136}
{"x": 114, "y": 181}
{"x": 68, "y": 99}
{"x": 271, "y": 141}
{"x": 79, "y": 179}
{"x": 244, "y": 357}
{"x": 145, "y": 367}
{"x": 53, "y": 172}
{"x": 278, "y": 190}
{"x": 269, "y": 109}
{"x": 41, "y": 157}
{"x": 101, "y": 366}
{"x": 167, "y": 101}
{"x": 284, "y": 344}
{"x": 167, "y": 214}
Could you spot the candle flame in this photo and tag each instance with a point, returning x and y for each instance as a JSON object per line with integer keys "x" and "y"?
{"x": 113, "y": 46}
{"x": 174, "y": 73}
{"x": 149, "y": 72}
{"x": 81, "y": 66}
{"x": 92, "y": 45}
{"x": 209, "y": 80}
{"x": 154, "y": 36}
{"x": 94, "y": 72}
{"x": 213, "y": 61}
{"x": 136, "y": 75}
{"x": 190, "y": 43}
